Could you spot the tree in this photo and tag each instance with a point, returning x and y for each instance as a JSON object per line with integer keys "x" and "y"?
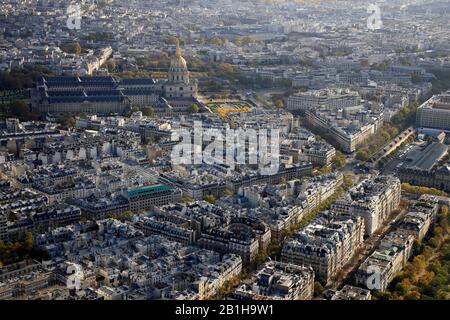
{"x": 412, "y": 295}
{"x": 227, "y": 192}
{"x": 172, "y": 40}
{"x": 217, "y": 41}
{"x": 279, "y": 103}
{"x": 22, "y": 78}
{"x": 318, "y": 288}
{"x": 243, "y": 40}
{"x": 28, "y": 242}
{"x": 193, "y": 108}
{"x": 210, "y": 198}
{"x": 362, "y": 155}
{"x": 339, "y": 160}
{"x": 20, "y": 109}
{"x": 422, "y": 190}
{"x": 380, "y": 295}
{"x": 348, "y": 179}
{"x": 73, "y": 48}
{"x": 68, "y": 122}
{"x": 111, "y": 65}
{"x": 149, "y": 140}
{"x": 225, "y": 68}
{"x": 434, "y": 242}
{"x": 148, "y": 111}
{"x": 123, "y": 216}
{"x": 403, "y": 287}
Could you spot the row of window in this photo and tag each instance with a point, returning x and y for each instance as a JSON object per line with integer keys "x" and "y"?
{"x": 181, "y": 88}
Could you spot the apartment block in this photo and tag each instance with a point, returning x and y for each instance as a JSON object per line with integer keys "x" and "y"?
{"x": 326, "y": 244}
{"x": 311, "y": 100}
{"x": 278, "y": 281}
{"x": 373, "y": 199}
{"x": 435, "y": 113}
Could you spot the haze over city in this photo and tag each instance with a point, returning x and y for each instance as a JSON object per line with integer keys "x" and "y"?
{"x": 228, "y": 150}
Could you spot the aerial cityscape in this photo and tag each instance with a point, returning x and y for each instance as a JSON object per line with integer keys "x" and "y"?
{"x": 238, "y": 150}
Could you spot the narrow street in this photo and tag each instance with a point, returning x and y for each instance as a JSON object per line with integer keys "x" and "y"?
{"x": 346, "y": 274}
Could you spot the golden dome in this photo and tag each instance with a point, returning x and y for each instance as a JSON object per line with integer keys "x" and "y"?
{"x": 178, "y": 62}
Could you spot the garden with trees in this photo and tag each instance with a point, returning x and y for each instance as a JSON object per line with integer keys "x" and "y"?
{"x": 419, "y": 190}
{"x": 426, "y": 275}
{"x": 73, "y": 48}
{"x": 12, "y": 252}
{"x": 399, "y": 122}
{"x": 22, "y": 78}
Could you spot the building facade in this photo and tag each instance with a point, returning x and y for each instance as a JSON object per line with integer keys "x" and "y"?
{"x": 278, "y": 281}
{"x": 435, "y": 113}
{"x": 326, "y": 244}
{"x": 108, "y": 95}
{"x": 150, "y": 196}
{"x": 373, "y": 200}
{"x": 310, "y": 100}
{"x": 3, "y": 228}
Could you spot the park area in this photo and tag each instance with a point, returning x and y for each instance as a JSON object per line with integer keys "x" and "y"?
{"x": 225, "y": 107}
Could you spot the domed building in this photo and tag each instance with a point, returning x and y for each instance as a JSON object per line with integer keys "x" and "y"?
{"x": 179, "y": 84}
{"x": 108, "y": 95}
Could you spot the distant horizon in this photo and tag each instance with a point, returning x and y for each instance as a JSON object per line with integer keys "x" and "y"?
{"x": 265, "y": 156}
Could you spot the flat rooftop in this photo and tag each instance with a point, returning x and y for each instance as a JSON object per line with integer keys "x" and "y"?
{"x": 426, "y": 158}
{"x": 440, "y": 101}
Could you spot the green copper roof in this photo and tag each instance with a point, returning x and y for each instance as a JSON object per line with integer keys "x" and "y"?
{"x": 148, "y": 189}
